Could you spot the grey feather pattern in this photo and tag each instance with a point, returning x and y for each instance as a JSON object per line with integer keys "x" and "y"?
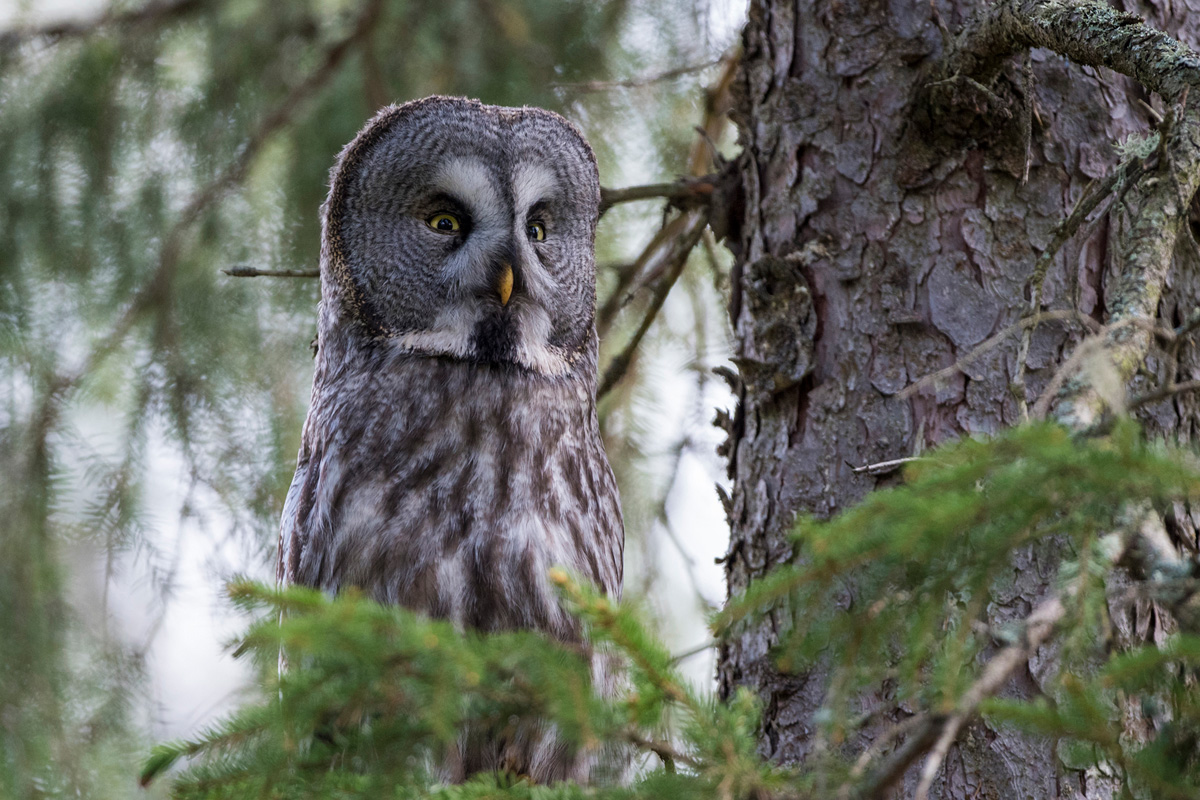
{"x": 452, "y": 451}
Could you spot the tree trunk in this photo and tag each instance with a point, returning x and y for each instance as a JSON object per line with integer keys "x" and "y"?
{"x": 876, "y": 248}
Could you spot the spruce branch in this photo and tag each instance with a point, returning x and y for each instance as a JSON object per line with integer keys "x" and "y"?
{"x": 157, "y": 289}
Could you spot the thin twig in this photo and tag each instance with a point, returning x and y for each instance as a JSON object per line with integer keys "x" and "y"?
{"x": 1093, "y": 195}
{"x": 695, "y": 651}
{"x": 681, "y": 247}
{"x": 891, "y": 770}
{"x": 253, "y": 272}
{"x": 877, "y": 746}
{"x": 961, "y": 364}
{"x": 634, "y": 83}
{"x": 884, "y": 467}
{"x": 1038, "y": 625}
{"x": 1028, "y": 68}
{"x": 692, "y": 191}
{"x": 622, "y": 293}
{"x": 1086, "y": 347}
{"x": 663, "y": 750}
{"x": 1162, "y": 393}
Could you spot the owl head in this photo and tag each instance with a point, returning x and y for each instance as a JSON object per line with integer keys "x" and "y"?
{"x": 459, "y": 230}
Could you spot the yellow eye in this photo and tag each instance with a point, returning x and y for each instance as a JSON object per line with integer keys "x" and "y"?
{"x": 536, "y": 231}
{"x": 443, "y": 223}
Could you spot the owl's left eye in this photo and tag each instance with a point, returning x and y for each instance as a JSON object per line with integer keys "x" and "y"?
{"x": 444, "y": 223}
{"x": 536, "y": 231}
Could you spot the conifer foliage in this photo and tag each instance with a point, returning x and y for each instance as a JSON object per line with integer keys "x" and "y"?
{"x": 373, "y": 694}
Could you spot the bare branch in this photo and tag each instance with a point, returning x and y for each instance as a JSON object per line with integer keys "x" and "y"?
{"x": 1162, "y": 393}
{"x": 1091, "y": 199}
{"x": 663, "y": 750}
{"x": 634, "y": 83}
{"x": 694, "y": 651}
{"x": 884, "y": 467}
{"x": 687, "y": 193}
{"x": 680, "y": 248}
{"x": 1038, "y": 625}
{"x": 885, "y": 776}
{"x": 252, "y": 272}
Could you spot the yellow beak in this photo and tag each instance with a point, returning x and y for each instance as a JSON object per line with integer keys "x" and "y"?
{"x": 505, "y": 284}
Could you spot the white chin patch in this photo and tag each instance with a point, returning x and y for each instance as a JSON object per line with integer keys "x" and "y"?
{"x": 453, "y": 336}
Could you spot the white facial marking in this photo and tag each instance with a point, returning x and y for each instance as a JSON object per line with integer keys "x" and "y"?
{"x": 468, "y": 180}
{"x": 531, "y": 183}
{"x": 453, "y": 334}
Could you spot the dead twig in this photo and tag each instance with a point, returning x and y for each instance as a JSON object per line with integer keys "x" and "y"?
{"x": 669, "y": 754}
{"x": 1163, "y": 392}
{"x": 1038, "y": 626}
{"x": 635, "y": 83}
{"x": 253, "y": 272}
{"x": 680, "y": 248}
{"x": 884, "y": 467}
{"x": 686, "y": 192}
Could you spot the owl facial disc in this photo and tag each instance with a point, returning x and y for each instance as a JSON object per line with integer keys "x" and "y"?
{"x": 459, "y": 230}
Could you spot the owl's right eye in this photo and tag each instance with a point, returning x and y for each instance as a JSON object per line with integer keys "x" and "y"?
{"x": 444, "y": 223}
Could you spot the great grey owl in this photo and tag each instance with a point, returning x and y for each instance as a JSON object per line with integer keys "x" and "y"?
{"x": 452, "y": 452}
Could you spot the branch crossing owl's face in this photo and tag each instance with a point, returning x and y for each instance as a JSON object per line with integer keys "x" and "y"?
{"x": 467, "y": 231}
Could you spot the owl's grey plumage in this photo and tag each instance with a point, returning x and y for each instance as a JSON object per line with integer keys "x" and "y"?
{"x": 452, "y": 452}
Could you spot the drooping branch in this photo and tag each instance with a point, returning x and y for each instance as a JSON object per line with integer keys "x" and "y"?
{"x": 158, "y": 285}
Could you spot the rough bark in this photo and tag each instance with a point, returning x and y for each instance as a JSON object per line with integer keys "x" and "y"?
{"x": 881, "y": 241}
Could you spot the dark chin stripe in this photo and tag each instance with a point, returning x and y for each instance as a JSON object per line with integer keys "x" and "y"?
{"x": 495, "y": 338}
